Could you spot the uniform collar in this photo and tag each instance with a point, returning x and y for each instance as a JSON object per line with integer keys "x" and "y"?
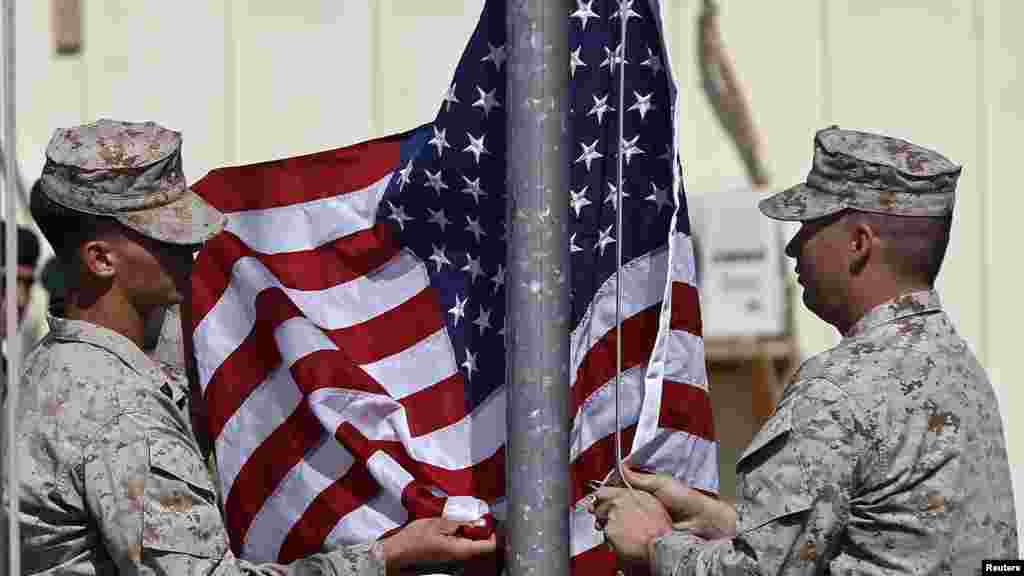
{"x": 909, "y": 304}
{"x": 117, "y": 344}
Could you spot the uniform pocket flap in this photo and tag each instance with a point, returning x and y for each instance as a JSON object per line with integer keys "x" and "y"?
{"x": 176, "y": 457}
{"x": 181, "y": 513}
{"x": 776, "y": 429}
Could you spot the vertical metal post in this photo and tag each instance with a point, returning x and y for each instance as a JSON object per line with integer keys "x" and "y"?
{"x": 10, "y": 196}
{"x": 538, "y": 288}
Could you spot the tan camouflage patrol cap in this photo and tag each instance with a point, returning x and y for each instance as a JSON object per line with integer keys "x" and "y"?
{"x": 131, "y": 172}
{"x": 870, "y": 173}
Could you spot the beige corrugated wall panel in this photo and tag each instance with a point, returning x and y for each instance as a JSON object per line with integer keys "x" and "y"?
{"x": 48, "y": 87}
{"x": 303, "y": 76}
{"x": 906, "y": 68}
{"x": 1004, "y": 235}
{"x": 160, "y": 61}
{"x": 417, "y": 46}
{"x": 780, "y": 70}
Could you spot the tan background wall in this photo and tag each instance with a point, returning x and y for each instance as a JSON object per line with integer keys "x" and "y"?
{"x": 248, "y": 81}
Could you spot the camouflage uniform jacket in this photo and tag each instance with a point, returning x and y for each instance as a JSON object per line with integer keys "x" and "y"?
{"x": 885, "y": 455}
{"x": 112, "y": 481}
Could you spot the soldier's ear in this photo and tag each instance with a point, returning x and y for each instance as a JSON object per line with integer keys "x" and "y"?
{"x": 99, "y": 258}
{"x": 863, "y": 245}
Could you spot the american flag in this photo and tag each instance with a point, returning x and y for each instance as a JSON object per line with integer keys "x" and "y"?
{"x": 349, "y": 324}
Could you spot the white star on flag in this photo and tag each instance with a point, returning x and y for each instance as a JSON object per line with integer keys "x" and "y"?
{"x": 405, "y": 176}
{"x": 653, "y": 61}
{"x": 449, "y": 98}
{"x": 398, "y": 215}
{"x": 496, "y": 55}
{"x": 459, "y": 310}
{"x": 474, "y": 228}
{"x": 625, "y": 7}
{"x": 469, "y": 364}
{"x": 434, "y": 181}
{"x": 476, "y": 146}
{"x": 487, "y": 101}
{"x": 613, "y": 59}
{"x": 600, "y": 107}
{"x": 438, "y": 217}
{"x": 499, "y": 278}
{"x": 629, "y": 148}
{"x": 643, "y": 104}
{"x": 579, "y": 200}
{"x": 439, "y": 141}
{"x": 659, "y": 196}
{"x": 439, "y": 257}
{"x": 575, "y": 61}
{"x": 667, "y": 154}
{"x": 572, "y": 244}
{"x": 613, "y": 197}
{"x": 584, "y": 12}
{"x": 473, "y": 267}
{"x": 473, "y": 189}
{"x": 589, "y": 154}
{"x": 483, "y": 321}
{"x": 605, "y": 239}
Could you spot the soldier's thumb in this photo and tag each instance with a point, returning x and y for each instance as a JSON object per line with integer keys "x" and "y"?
{"x": 641, "y": 481}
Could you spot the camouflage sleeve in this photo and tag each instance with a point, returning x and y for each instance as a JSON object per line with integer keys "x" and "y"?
{"x": 794, "y": 483}
{"x": 149, "y": 492}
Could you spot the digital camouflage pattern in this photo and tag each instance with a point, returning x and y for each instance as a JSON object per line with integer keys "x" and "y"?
{"x": 112, "y": 481}
{"x": 870, "y": 173}
{"x": 131, "y": 172}
{"x": 884, "y": 456}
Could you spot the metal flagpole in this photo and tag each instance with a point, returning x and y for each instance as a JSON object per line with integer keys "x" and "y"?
{"x": 538, "y": 289}
{"x": 10, "y": 189}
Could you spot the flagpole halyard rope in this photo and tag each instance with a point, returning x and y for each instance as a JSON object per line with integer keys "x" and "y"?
{"x": 623, "y": 20}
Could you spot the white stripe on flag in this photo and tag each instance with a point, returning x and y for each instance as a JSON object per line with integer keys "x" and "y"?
{"x": 369, "y": 521}
{"x": 263, "y": 411}
{"x": 321, "y": 468}
{"x": 298, "y": 337}
{"x": 431, "y": 360}
{"x": 584, "y": 534}
{"x": 380, "y": 418}
{"x": 688, "y": 457}
{"x": 306, "y": 225}
{"x": 596, "y": 417}
{"x": 685, "y": 359}
{"x": 230, "y": 321}
{"x": 643, "y": 285}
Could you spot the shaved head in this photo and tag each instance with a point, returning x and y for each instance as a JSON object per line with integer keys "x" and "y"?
{"x": 915, "y": 245}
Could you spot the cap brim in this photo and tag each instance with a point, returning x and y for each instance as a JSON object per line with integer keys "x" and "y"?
{"x": 188, "y": 220}
{"x": 800, "y": 203}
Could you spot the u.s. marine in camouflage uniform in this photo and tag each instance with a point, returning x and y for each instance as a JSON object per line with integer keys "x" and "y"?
{"x": 111, "y": 477}
{"x": 885, "y": 454}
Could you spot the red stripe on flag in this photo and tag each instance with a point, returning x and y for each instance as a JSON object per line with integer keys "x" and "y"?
{"x": 300, "y": 179}
{"x": 211, "y": 275}
{"x": 594, "y": 463}
{"x": 310, "y": 531}
{"x": 392, "y": 331}
{"x": 599, "y": 364}
{"x": 598, "y": 560}
{"x": 337, "y": 262}
{"x": 686, "y": 408}
{"x": 266, "y": 467}
{"x": 484, "y": 480}
{"x": 686, "y": 309}
{"x": 332, "y": 369}
{"x": 436, "y": 406}
{"x": 250, "y": 364}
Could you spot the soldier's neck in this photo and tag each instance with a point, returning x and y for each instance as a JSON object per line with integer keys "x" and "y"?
{"x": 873, "y": 292}
{"x": 109, "y": 311}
